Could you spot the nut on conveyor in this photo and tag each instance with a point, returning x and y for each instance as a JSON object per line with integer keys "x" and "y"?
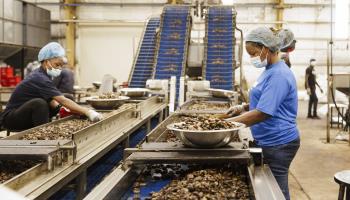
{"x": 59, "y": 131}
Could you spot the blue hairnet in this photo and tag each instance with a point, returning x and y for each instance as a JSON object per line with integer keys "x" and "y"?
{"x": 286, "y": 37}
{"x": 264, "y": 36}
{"x": 51, "y": 50}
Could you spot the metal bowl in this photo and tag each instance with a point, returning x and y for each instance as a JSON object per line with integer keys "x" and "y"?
{"x": 206, "y": 139}
{"x": 106, "y": 104}
{"x": 97, "y": 84}
{"x": 134, "y": 92}
{"x": 221, "y": 93}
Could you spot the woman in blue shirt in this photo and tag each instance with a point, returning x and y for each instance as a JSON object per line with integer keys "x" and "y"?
{"x": 273, "y": 105}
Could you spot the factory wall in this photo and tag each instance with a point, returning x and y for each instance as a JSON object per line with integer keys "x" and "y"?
{"x": 97, "y": 44}
{"x": 108, "y": 34}
{"x": 100, "y": 52}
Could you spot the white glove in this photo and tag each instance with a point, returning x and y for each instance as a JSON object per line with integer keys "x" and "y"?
{"x": 235, "y": 110}
{"x": 308, "y": 91}
{"x": 94, "y": 116}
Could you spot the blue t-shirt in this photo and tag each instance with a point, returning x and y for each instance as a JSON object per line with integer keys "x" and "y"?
{"x": 275, "y": 94}
{"x": 36, "y": 85}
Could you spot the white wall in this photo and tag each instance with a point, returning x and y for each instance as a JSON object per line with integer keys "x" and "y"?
{"x": 109, "y": 39}
{"x": 101, "y": 52}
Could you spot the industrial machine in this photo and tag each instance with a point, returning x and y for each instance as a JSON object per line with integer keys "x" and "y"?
{"x": 150, "y": 166}
{"x": 162, "y": 150}
{"x": 161, "y": 80}
{"x": 63, "y": 150}
{"x": 341, "y": 83}
{"x": 22, "y": 32}
{"x": 195, "y": 64}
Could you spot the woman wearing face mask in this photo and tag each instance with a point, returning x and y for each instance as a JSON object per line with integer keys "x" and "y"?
{"x": 273, "y": 105}
{"x": 36, "y": 99}
{"x": 287, "y": 44}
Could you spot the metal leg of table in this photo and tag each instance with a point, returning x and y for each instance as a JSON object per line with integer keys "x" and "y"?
{"x": 166, "y": 112}
{"x": 148, "y": 125}
{"x": 0, "y": 103}
{"x": 81, "y": 186}
{"x": 338, "y": 120}
{"x": 161, "y": 116}
{"x": 126, "y": 142}
{"x": 331, "y": 118}
{"x": 347, "y": 193}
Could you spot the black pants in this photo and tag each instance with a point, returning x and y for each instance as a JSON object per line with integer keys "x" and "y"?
{"x": 313, "y": 100}
{"x": 32, "y": 113}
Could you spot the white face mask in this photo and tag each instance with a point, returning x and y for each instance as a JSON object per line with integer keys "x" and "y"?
{"x": 313, "y": 63}
{"x": 53, "y": 72}
{"x": 256, "y": 61}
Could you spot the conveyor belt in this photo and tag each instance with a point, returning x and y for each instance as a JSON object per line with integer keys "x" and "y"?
{"x": 144, "y": 61}
{"x": 92, "y": 143}
{"x": 173, "y": 43}
{"x": 106, "y": 164}
{"x": 219, "y": 50}
{"x": 125, "y": 181}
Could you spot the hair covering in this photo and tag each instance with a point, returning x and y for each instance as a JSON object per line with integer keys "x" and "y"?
{"x": 65, "y": 60}
{"x": 51, "y": 50}
{"x": 266, "y": 37}
{"x": 286, "y": 37}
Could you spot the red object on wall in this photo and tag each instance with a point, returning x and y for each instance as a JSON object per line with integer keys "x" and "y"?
{"x": 8, "y": 78}
{"x": 9, "y": 72}
{"x": 18, "y": 79}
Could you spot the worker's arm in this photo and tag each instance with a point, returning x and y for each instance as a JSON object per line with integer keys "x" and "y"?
{"x": 319, "y": 87}
{"x": 75, "y": 108}
{"x": 237, "y": 110}
{"x": 71, "y": 105}
{"x": 250, "y": 118}
{"x": 307, "y": 81}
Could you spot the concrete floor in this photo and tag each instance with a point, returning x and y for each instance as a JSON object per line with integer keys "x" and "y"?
{"x": 312, "y": 171}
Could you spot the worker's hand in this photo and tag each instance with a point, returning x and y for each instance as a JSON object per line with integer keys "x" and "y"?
{"x": 308, "y": 91}
{"x": 94, "y": 116}
{"x": 235, "y": 110}
{"x": 321, "y": 90}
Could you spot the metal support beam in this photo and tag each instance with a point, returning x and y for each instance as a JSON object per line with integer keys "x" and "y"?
{"x": 148, "y": 125}
{"x": 70, "y": 14}
{"x": 175, "y": 1}
{"x": 81, "y": 185}
{"x": 161, "y": 116}
{"x": 280, "y": 11}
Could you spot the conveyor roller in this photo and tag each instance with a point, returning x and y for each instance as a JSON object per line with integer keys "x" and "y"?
{"x": 220, "y": 52}
{"x": 144, "y": 61}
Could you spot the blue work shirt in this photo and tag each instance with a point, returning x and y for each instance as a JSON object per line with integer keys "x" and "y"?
{"x": 65, "y": 81}
{"x": 36, "y": 85}
{"x": 275, "y": 94}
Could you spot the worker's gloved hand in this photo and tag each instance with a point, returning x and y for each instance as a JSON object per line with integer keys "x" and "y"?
{"x": 235, "y": 110}
{"x": 94, "y": 116}
{"x": 308, "y": 91}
